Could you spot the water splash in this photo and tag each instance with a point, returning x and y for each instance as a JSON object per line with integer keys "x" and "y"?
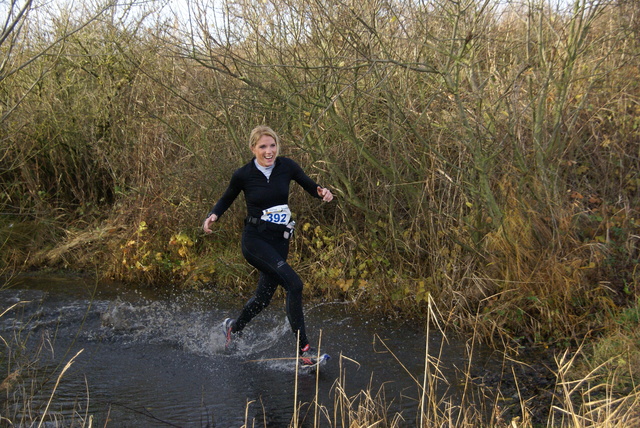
{"x": 197, "y": 332}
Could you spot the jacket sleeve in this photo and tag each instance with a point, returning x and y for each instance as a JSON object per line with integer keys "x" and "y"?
{"x": 304, "y": 180}
{"x": 230, "y": 195}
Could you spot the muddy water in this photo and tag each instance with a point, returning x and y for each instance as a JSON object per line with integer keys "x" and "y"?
{"x": 152, "y": 359}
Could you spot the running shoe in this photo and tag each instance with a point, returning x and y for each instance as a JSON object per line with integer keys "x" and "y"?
{"x": 308, "y": 356}
{"x": 227, "y": 327}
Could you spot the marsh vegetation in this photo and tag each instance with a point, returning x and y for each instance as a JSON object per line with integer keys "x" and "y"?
{"x": 485, "y": 158}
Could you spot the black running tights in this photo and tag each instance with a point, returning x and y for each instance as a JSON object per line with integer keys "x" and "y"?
{"x": 267, "y": 252}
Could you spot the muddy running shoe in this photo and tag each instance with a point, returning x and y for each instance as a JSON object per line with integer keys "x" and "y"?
{"x": 227, "y": 327}
{"x": 308, "y": 356}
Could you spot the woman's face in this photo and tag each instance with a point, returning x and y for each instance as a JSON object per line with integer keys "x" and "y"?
{"x": 265, "y": 150}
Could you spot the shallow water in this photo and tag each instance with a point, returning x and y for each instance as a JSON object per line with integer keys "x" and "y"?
{"x": 159, "y": 360}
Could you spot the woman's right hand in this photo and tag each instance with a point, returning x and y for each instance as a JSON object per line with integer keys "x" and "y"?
{"x": 207, "y": 223}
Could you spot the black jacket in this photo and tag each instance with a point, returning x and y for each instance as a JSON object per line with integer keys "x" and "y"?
{"x": 261, "y": 193}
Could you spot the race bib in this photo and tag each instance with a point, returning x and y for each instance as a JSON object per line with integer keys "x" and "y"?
{"x": 280, "y": 214}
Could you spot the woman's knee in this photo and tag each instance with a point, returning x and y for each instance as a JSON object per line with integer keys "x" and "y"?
{"x": 293, "y": 282}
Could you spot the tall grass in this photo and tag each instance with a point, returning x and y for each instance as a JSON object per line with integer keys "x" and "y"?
{"x": 482, "y": 154}
{"x": 594, "y": 399}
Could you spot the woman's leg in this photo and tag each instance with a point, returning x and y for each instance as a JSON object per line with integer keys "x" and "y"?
{"x": 269, "y": 257}
{"x": 266, "y": 287}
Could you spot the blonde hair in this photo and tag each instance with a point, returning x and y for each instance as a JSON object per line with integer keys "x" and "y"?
{"x": 259, "y": 132}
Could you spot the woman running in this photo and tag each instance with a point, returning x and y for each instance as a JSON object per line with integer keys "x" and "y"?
{"x": 268, "y": 229}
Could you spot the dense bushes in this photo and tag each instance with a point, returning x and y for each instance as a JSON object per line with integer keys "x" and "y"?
{"x": 484, "y": 156}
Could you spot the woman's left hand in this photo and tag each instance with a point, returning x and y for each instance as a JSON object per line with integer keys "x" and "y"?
{"x": 325, "y": 194}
